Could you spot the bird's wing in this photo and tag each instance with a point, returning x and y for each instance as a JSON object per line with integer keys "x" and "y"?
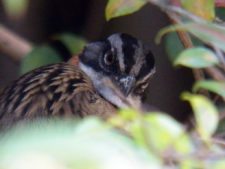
{"x": 54, "y": 90}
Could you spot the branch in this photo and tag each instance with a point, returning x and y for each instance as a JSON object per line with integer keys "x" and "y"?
{"x": 185, "y": 39}
{"x": 13, "y": 45}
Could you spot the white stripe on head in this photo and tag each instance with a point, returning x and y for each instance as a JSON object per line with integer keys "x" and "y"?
{"x": 117, "y": 43}
{"x": 139, "y": 59}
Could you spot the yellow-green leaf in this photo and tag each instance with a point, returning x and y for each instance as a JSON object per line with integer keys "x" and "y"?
{"x": 57, "y": 144}
{"x": 116, "y": 8}
{"x": 202, "y": 8}
{"x": 162, "y": 132}
{"x": 197, "y": 58}
{"x": 212, "y": 86}
{"x": 205, "y": 112}
{"x": 15, "y": 7}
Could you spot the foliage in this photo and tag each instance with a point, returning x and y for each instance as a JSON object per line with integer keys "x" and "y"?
{"x": 15, "y": 8}
{"x": 209, "y": 60}
{"x": 131, "y": 139}
{"x": 197, "y": 58}
{"x": 46, "y": 54}
{"x": 206, "y": 8}
{"x": 152, "y": 140}
{"x": 117, "y": 8}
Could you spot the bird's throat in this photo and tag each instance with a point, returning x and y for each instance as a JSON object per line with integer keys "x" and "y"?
{"x": 105, "y": 87}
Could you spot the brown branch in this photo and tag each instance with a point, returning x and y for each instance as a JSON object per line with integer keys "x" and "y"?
{"x": 185, "y": 39}
{"x": 13, "y": 45}
{"x": 187, "y": 43}
{"x": 215, "y": 73}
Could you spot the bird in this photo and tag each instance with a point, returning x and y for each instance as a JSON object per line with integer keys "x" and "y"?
{"x": 109, "y": 74}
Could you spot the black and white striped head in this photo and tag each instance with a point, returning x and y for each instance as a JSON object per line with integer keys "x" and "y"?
{"x": 120, "y": 64}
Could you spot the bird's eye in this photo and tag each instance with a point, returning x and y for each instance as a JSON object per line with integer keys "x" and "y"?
{"x": 109, "y": 58}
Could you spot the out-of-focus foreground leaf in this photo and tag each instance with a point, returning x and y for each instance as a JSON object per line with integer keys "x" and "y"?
{"x": 212, "y": 86}
{"x": 116, "y": 8}
{"x": 71, "y": 145}
{"x": 198, "y": 57}
{"x": 162, "y": 133}
{"x": 206, "y": 114}
{"x": 155, "y": 131}
{"x": 205, "y": 8}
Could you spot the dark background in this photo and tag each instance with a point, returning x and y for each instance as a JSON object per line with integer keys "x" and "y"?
{"x": 45, "y": 18}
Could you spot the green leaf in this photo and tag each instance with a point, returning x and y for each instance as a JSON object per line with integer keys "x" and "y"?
{"x": 74, "y": 43}
{"x": 205, "y": 112}
{"x": 219, "y": 164}
{"x": 174, "y": 46}
{"x": 197, "y": 58}
{"x": 207, "y": 32}
{"x": 116, "y": 8}
{"x": 88, "y": 144}
{"x": 162, "y": 132}
{"x": 157, "y": 130}
{"x": 212, "y": 86}
{"x": 15, "y": 7}
{"x": 206, "y": 8}
{"x": 38, "y": 57}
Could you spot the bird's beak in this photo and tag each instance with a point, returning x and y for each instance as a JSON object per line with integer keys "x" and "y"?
{"x": 126, "y": 84}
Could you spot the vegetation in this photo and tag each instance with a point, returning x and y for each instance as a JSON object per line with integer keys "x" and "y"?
{"x": 134, "y": 140}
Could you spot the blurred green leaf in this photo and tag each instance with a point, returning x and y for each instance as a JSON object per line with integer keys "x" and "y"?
{"x": 155, "y": 131}
{"x": 190, "y": 163}
{"x": 47, "y": 54}
{"x": 71, "y": 145}
{"x": 219, "y": 164}
{"x": 38, "y": 57}
{"x": 162, "y": 132}
{"x": 197, "y": 58}
{"x": 74, "y": 43}
{"x": 173, "y": 45}
{"x": 207, "y": 32}
{"x": 123, "y": 117}
{"x": 205, "y": 112}
{"x": 116, "y": 8}
{"x": 15, "y": 7}
{"x": 212, "y": 86}
{"x": 205, "y": 8}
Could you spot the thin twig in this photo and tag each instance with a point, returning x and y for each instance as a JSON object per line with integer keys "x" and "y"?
{"x": 187, "y": 43}
{"x": 13, "y": 45}
{"x": 215, "y": 73}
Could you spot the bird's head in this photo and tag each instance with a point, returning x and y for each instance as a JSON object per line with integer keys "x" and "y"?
{"x": 119, "y": 67}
